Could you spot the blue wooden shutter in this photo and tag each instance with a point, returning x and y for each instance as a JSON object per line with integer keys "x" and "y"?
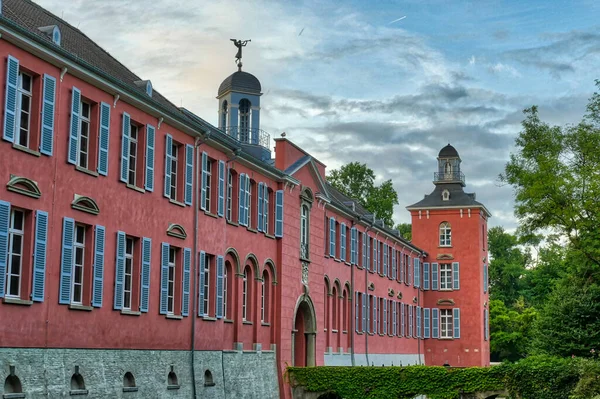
{"x": 455, "y": 275}
{"x": 150, "y": 145}
{"x": 394, "y": 265}
{"x": 376, "y": 257}
{"x": 259, "y": 206}
{"x": 485, "y": 278}
{"x": 119, "y": 271}
{"x": 98, "y": 286}
{"x": 364, "y": 312}
{"x": 10, "y": 102}
{"x": 221, "y": 202}
{"x": 125, "y": 135}
{"x": 66, "y": 262}
{"x": 104, "y": 139}
{"x": 168, "y": 156}
{"x": 364, "y": 249}
{"x": 220, "y": 286}
{"x": 74, "y": 127}
{"x": 435, "y": 323}
{"x": 4, "y": 225}
{"x": 385, "y": 259}
{"x": 402, "y": 320}
{"x": 385, "y": 316}
{"x": 486, "y": 325}
{"x": 202, "y": 262}
{"x": 242, "y": 200}
{"x": 368, "y": 252}
{"x": 146, "y": 259}
{"x": 369, "y": 310}
{"x": 410, "y": 272}
{"x": 394, "y": 318}
{"x": 47, "y": 132}
{"x": 416, "y": 272}
{"x": 456, "y": 319}
{"x": 189, "y": 173}
{"x": 435, "y": 285}
{"x": 248, "y": 210}
{"x": 266, "y": 208}
{"x": 356, "y": 312}
{"x": 185, "y": 284}
{"x": 164, "y": 278}
{"x": 204, "y": 182}
{"x": 426, "y": 322}
{"x": 332, "y": 237}
{"x": 279, "y": 213}
{"x": 39, "y": 255}
{"x": 343, "y": 242}
{"x": 410, "y": 321}
{"x": 418, "y": 322}
{"x": 426, "y": 279}
{"x": 401, "y": 267}
{"x": 354, "y": 246}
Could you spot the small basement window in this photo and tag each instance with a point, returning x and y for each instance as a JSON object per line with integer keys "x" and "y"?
{"x": 129, "y": 383}
{"x": 78, "y": 385}
{"x": 172, "y": 382}
{"x": 208, "y": 379}
{"x": 12, "y": 384}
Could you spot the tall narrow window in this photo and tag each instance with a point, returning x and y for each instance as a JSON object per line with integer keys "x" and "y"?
{"x": 244, "y": 125}
{"x": 206, "y": 303}
{"x": 84, "y": 136}
{"x": 334, "y": 310}
{"x": 78, "y": 261}
{"x": 249, "y": 204}
{"x": 171, "y": 281}
{"x": 224, "y": 110}
{"x": 24, "y": 109}
{"x": 15, "y": 253}
{"x": 266, "y": 210}
{"x": 304, "y": 252}
{"x": 133, "y": 147}
{"x": 225, "y": 291}
{"x": 127, "y": 283}
{"x": 264, "y": 303}
{"x": 445, "y": 276}
{"x": 174, "y": 158}
{"x": 208, "y": 185}
{"x": 445, "y": 235}
{"x": 229, "y": 194}
{"x": 446, "y": 323}
{"x": 245, "y": 295}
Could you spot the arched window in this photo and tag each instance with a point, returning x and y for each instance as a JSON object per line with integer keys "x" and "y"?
{"x": 77, "y": 383}
{"x": 304, "y": 232}
{"x": 247, "y": 294}
{"x": 345, "y": 317}
{"x": 244, "y": 115}
{"x": 128, "y": 380}
{"x": 326, "y": 302}
{"x": 445, "y": 195}
{"x": 226, "y": 290}
{"x": 265, "y": 297}
{"x": 12, "y": 384}
{"x": 172, "y": 379}
{"x": 447, "y": 167}
{"x": 208, "y": 379}
{"x": 334, "y": 312}
{"x": 445, "y": 235}
{"x": 224, "y": 110}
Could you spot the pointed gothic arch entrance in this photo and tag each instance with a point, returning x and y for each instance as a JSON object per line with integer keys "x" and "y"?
{"x": 304, "y": 333}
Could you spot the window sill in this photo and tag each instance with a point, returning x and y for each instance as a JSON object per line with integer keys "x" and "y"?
{"x": 135, "y": 188}
{"x": 334, "y": 331}
{"x": 212, "y": 215}
{"x": 130, "y": 313}
{"x": 130, "y": 389}
{"x": 174, "y": 317}
{"x": 80, "y": 307}
{"x": 371, "y": 334}
{"x": 337, "y": 260}
{"x": 446, "y": 290}
{"x": 172, "y": 387}
{"x": 13, "y": 396}
{"x": 175, "y": 202}
{"x": 250, "y": 229}
{"x": 347, "y": 263}
{"x": 229, "y": 321}
{"x": 446, "y": 339}
{"x": 444, "y": 246}
{"x": 26, "y": 149}
{"x": 231, "y": 223}
{"x": 269, "y": 236}
{"x": 209, "y": 318}
{"x": 88, "y": 172}
{"x": 209, "y": 384}
{"x": 17, "y": 301}
{"x": 359, "y": 333}
{"x": 304, "y": 259}
{"x": 75, "y": 392}
{"x": 247, "y": 322}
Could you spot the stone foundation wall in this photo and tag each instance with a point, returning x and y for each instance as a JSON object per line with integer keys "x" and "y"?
{"x": 46, "y": 373}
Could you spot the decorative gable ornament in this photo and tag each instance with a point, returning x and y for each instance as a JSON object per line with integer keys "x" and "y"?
{"x": 23, "y": 185}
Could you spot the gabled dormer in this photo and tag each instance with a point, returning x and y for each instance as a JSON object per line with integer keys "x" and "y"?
{"x": 53, "y": 33}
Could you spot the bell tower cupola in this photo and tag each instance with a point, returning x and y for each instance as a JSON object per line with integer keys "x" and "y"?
{"x": 449, "y": 167}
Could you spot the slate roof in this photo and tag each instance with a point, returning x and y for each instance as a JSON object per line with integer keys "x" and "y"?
{"x": 457, "y": 198}
{"x": 30, "y": 16}
{"x": 240, "y": 81}
{"x": 448, "y": 152}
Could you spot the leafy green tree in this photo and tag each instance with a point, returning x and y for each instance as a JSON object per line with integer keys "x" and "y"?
{"x": 405, "y": 230}
{"x": 540, "y": 279}
{"x": 356, "y": 180}
{"x": 510, "y": 330}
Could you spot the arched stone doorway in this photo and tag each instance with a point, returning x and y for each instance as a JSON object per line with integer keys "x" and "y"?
{"x": 304, "y": 333}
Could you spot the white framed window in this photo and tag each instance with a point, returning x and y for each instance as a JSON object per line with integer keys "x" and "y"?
{"x": 228, "y": 213}
{"x": 127, "y": 283}
{"x": 208, "y": 185}
{"x": 445, "y": 276}
{"x": 249, "y": 187}
{"x": 78, "y": 262}
{"x": 24, "y": 93}
{"x": 445, "y": 235}
{"x": 174, "y": 159}
{"x": 14, "y": 266}
{"x": 83, "y": 141}
{"x": 245, "y": 296}
{"x": 225, "y": 290}
{"x": 133, "y": 147}
{"x": 445, "y": 195}
{"x": 304, "y": 231}
{"x": 171, "y": 281}
{"x": 206, "y": 302}
{"x": 266, "y": 214}
{"x": 262, "y": 301}
{"x": 445, "y": 323}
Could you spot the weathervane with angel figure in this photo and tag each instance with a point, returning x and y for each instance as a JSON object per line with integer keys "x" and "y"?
{"x": 239, "y": 44}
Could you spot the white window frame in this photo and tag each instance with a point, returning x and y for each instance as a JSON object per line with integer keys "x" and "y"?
{"x": 84, "y": 148}
{"x": 266, "y": 214}
{"x": 206, "y": 302}
{"x": 12, "y": 233}
{"x": 262, "y": 301}
{"x": 78, "y": 245}
{"x": 128, "y": 274}
{"x": 446, "y": 323}
{"x": 133, "y": 150}
{"x": 174, "y": 162}
{"x": 249, "y": 202}
{"x": 171, "y": 286}
{"x": 207, "y": 188}
{"x": 245, "y": 296}
{"x": 21, "y": 92}
{"x": 224, "y": 292}
{"x": 229, "y": 212}
{"x": 445, "y": 235}
{"x": 445, "y": 276}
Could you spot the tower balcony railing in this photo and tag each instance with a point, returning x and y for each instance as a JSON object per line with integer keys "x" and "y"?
{"x": 249, "y": 135}
{"x": 449, "y": 177}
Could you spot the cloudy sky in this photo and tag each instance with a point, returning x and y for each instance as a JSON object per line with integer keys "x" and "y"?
{"x": 346, "y": 83}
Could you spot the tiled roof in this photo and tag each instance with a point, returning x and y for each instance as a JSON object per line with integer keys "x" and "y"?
{"x": 240, "y": 81}
{"x": 457, "y": 198}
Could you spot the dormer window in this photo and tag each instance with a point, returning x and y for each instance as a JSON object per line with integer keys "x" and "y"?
{"x": 53, "y": 33}
{"x": 149, "y": 88}
{"x": 445, "y": 195}
{"x": 146, "y": 85}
